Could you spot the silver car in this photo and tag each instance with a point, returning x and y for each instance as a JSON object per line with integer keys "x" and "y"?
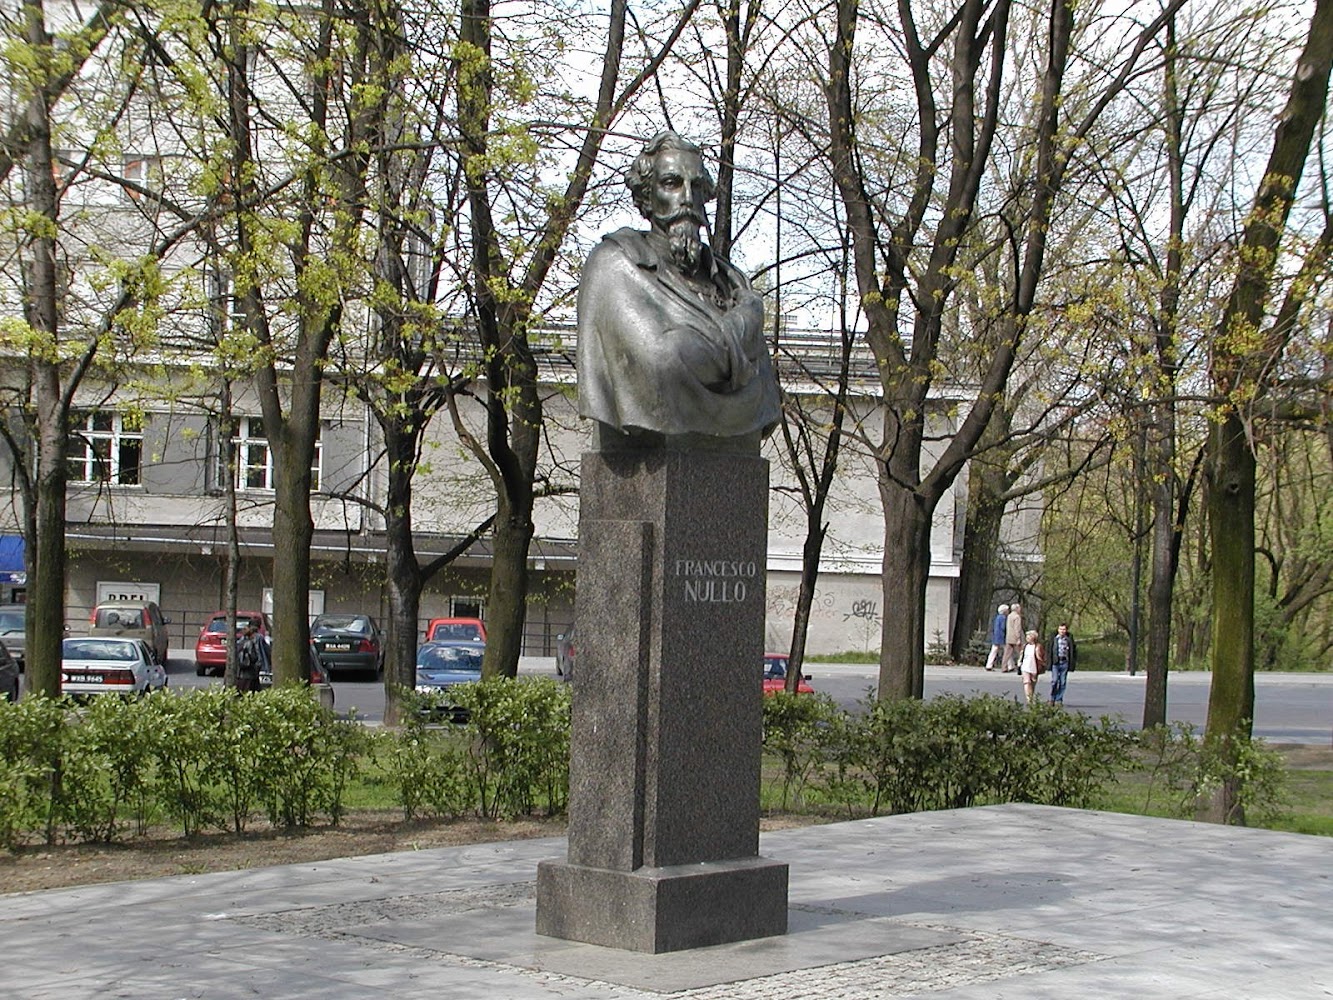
{"x": 9, "y": 676}
{"x": 109, "y": 665}
{"x": 12, "y": 630}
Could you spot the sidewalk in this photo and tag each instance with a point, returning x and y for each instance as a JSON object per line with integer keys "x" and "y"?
{"x": 999, "y": 903}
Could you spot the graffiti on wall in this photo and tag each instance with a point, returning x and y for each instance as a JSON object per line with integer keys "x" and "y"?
{"x": 826, "y": 606}
{"x": 867, "y": 611}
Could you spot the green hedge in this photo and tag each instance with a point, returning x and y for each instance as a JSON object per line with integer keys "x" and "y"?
{"x": 203, "y": 760}
{"x": 511, "y": 757}
{"x": 210, "y": 760}
{"x": 946, "y": 753}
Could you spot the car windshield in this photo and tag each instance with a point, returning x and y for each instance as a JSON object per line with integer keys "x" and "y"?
{"x": 10, "y": 622}
{"x": 98, "y": 649}
{"x": 775, "y": 668}
{"x": 455, "y": 630}
{"x": 466, "y": 658}
{"x": 340, "y": 623}
{"x": 219, "y": 625}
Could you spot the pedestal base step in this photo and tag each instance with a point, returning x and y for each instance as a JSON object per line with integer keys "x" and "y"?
{"x": 663, "y": 909}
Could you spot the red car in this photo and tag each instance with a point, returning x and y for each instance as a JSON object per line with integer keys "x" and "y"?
{"x": 468, "y": 629}
{"x": 775, "y": 675}
{"x": 210, "y": 649}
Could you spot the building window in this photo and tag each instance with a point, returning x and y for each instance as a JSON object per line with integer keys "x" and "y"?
{"x": 254, "y": 458}
{"x": 465, "y": 607}
{"x": 142, "y": 172}
{"x": 106, "y": 447}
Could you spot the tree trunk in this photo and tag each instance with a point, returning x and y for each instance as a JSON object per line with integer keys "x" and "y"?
{"x": 805, "y": 599}
{"x": 902, "y": 653}
{"x": 1165, "y": 549}
{"x": 402, "y": 575}
{"x": 1231, "y": 476}
{"x": 1239, "y": 368}
{"x": 1231, "y": 468}
{"x": 506, "y": 602}
{"x": 46, "y": 590}
{"x": 1162, "y": 445}
{"x": 293, "y": 530}
{"x": 986, "y": 487}
{"x": 231, "y": 565}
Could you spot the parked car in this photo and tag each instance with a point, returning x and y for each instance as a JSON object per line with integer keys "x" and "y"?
{"x": 564, "y": 654}
{"x": 348, "y": 642}
{"x": 775, "y": 675}
{"x": 133, "y": 620}
{"x": 9, "y": 675}
{"x": 108, "y": 664}
{"x": 13, "y": 630}
{"x": 441, "y": 629}
{"x": 440, "y": 666}
{"x": 320, "y": 685}
{"x": 210, "y": 649}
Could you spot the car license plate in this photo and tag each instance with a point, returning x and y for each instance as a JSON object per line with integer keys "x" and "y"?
{"x": 337, "y": 647}
{"x": 83, "y": 678}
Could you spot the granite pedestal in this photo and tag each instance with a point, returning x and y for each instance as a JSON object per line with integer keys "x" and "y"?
{"x": 665, "y": 742}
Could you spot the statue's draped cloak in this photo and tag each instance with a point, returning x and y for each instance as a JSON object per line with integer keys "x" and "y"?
{"x": 657, "y": 353}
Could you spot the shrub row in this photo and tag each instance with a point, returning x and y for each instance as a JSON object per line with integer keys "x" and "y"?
{"x": 953, "y": 752}
{"x": 946, "y": 753}
{"x": 203, "y": 760}
{"x": 209, "y": 760}
{"x": 511, "y": 757}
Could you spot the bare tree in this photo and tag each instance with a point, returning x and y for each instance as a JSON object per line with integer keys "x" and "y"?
{"x": 954, "y": 146}
{"x": 1247, "y": 344}
{"x": 54, "y": 260}
{"x": 506, "y": 285}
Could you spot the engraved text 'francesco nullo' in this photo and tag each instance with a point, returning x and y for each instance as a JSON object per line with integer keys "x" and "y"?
{"x": 716, "y": 581}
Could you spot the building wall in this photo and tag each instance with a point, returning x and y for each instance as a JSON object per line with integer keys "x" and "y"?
{"x": 178, "y": 494}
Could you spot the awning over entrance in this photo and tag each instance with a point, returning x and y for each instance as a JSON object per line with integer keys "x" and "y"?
{"x": 12, "y": 570}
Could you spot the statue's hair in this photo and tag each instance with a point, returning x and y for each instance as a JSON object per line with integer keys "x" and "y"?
{"x": 640, "y": 174}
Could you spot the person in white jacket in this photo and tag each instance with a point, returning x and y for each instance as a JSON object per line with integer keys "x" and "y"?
{"x": 1030, "y": 666}
{"x": 1013, "y": 638}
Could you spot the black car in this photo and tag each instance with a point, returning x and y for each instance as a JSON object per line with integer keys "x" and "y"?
{"x": 9, "y": 676}
{"x": 348, "y": 643}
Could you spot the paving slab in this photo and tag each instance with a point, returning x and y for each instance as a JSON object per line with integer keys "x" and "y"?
{"x": 1001, "y": 902}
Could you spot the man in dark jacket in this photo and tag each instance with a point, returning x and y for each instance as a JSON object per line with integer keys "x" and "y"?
{"x": 1062, "y": 654}
{"x": 997, "y": 635}
{"x": 250, "y": 656}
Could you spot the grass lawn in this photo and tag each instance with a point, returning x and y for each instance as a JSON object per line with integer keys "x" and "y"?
{"x": 1306, "y": 806}
{"x": 1307, "y": 798}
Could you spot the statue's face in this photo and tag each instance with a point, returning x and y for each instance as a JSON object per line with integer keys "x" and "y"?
{"x": 677, "y": 189}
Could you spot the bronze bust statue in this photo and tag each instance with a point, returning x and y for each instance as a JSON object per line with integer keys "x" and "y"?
{"x": 670, "y": 337}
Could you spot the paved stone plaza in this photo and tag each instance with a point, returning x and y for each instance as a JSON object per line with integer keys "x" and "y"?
{"x": 1001, "y": 902}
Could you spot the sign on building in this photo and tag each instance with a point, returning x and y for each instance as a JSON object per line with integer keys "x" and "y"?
{"x": 121, "y": 591}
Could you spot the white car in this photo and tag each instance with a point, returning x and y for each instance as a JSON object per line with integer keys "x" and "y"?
{"x": 109, "y": 665}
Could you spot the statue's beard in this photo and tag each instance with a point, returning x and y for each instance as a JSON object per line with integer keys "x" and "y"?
{"x": 683, "y": 238}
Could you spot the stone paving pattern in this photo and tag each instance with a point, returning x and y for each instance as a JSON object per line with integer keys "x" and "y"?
{"x": 983, "y": 904}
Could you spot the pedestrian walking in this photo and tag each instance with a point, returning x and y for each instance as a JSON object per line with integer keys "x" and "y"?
{"x": 251, "y": 652}
{"x": 1030, "y": 665}
{"x": 1013, "y": 638}
{"x": 1063, "y": 654}
{"x": 997, "y": 629}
